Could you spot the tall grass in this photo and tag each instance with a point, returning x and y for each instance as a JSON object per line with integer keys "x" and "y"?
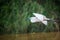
{"x": 16, "y": 14}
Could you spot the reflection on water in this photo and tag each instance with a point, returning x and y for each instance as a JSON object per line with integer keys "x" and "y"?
{"x": 32, "y": 36}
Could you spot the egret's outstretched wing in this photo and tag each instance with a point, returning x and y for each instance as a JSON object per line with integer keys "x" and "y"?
{"x": 34, "y": 19}
{"x": 44, "y": 22}
{"x": 39, "y": 16}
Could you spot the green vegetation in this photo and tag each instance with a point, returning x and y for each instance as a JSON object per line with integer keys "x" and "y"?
{"x": 15, "y": 14}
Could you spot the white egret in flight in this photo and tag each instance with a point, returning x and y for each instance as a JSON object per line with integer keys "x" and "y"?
{"x": 39, "y": 18}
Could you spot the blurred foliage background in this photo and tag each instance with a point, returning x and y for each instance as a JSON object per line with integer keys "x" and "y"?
{"x": 15, "y": 14}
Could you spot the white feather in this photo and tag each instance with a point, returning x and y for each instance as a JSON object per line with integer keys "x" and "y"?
{"x": 34, "y": 19}
{"x": 44, "y": 22}
{"x": 39, "y": 16}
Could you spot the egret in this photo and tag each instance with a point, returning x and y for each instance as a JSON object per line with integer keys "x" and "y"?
{"x": 39, "y": 18}
{"x": 43, "y": 19}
